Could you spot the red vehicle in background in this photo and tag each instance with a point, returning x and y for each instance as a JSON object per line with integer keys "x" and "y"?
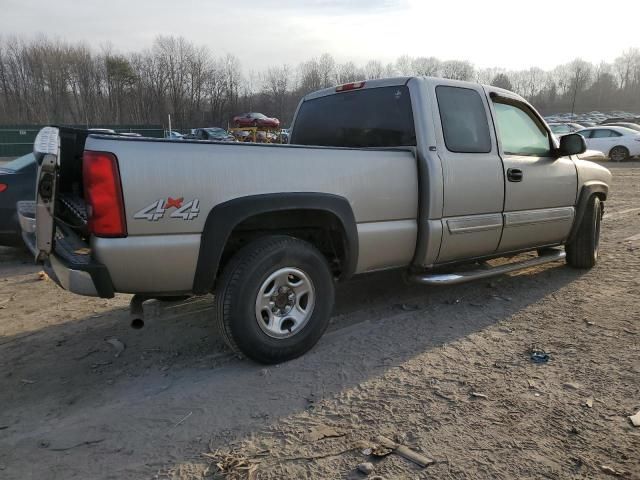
{"x": 255, "y": 120}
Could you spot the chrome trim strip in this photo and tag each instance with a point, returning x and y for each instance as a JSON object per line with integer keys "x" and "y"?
{"x": 528, "y": 217}
{"x": 474, "y": 223}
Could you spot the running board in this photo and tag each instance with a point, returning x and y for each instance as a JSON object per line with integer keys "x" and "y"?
{"x": 462, "y": 277}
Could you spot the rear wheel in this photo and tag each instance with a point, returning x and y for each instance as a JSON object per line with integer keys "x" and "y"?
{"x": 619, "y": 154}
{"x": 274, "y": 299}
{"x": 582, "y": 252}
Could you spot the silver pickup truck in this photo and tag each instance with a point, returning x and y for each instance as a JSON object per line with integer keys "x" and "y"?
{"x": 422, "y": 174}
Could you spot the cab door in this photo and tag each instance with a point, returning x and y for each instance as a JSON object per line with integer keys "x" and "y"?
{"x": 472, "y": 173}
{"x": 540, "y": 190}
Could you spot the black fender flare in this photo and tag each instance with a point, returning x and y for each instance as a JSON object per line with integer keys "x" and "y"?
{"x": 586, "y": 192}
{"x": 224, "y": 217}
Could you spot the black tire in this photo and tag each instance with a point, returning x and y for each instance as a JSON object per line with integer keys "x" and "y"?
{"x": 582, "y": 252}
{"x": 237, "y": 292}
{"x": 619, "y": 154}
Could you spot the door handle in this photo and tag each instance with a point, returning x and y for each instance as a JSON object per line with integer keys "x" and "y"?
{"x": 514, "y": 175}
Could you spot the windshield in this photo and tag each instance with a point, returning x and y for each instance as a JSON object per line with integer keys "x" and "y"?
{"x": 19, "y": 163}
{"x": 559, "y": 128}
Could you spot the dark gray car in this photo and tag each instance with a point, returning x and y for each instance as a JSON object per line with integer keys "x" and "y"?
{"x": 17, "y": 182}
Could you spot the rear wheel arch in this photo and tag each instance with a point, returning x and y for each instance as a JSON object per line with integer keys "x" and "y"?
{"x": 324, "y": 220}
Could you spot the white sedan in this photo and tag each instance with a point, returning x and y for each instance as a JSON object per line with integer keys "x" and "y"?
{"x": 617, "y": 143}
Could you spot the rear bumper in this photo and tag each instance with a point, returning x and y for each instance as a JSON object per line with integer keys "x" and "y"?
{"x": 71, "y": 266}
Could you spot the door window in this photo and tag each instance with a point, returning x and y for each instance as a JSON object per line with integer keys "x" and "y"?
{"x": 464, "y": 120}
{"x": 520, "y": 131}
{"x": 585, "y": 133}
{"x": 604, "y": 134}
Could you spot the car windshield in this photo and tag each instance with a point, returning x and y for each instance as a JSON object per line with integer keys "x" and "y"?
{"x": 559, "y": 128}
{"x": 258, "y": 115}
{"x": 19, "y": 163}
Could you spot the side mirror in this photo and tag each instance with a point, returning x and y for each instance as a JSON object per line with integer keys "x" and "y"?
{"x": 571, "y": 144}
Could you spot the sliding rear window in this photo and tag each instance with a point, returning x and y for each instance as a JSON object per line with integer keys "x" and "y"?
{"x": 375, "y": 117}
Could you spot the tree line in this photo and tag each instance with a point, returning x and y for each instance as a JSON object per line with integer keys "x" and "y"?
{"x": 52, "y": 81}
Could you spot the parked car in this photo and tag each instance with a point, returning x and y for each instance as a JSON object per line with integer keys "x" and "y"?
{"x": 617, "y": 143}
{"x": 255, "y": 120}
{"x": 17, "y": 183}
{"x": 561, "y": 129}
{"x": 174, "y": 135}
{"x": 632, "y": 126}
{"x": 211, "y": 133}
{"x": 428, "y": 182}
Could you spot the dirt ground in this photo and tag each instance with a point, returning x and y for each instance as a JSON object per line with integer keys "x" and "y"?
{"x": 444, "y": 371}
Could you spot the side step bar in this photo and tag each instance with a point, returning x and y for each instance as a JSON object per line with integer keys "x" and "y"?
{"x": 462, "y": 277}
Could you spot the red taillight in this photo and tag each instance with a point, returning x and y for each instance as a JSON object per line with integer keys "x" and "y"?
{"x": 349, "y": 86}
{"x": 3, "y": 187}
{"x": 103, "y": 194}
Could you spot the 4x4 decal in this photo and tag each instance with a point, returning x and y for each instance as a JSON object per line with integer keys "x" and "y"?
{"x": 157, "y": 210}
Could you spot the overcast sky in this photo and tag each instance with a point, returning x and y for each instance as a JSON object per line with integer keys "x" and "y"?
{"x": 508, "y": 34}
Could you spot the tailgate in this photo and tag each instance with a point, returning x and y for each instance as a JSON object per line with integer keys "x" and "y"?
{"x": 59, "y": 195}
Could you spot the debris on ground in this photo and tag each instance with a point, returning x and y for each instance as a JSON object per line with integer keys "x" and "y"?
{"x": 42, "y": 275}
{"x": 365, "y": 467}
{"x": 407, "y": 307}
{"x": 233, "y": 465}
{"x": 538, "y": 355}
{"x": 588, "y": 402}
{"x": 404, "y": 451}
{"x": 322, "y": 431}
{"x": 572, "y": 386}
{"x": 635, "y": 419}
{"x": 611, "y": 471}
{"x": 117, "y": 344}
{"x": 478, "y": 395}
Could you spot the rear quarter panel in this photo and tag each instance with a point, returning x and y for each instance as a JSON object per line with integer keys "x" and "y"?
{"x": 380, "y": 185}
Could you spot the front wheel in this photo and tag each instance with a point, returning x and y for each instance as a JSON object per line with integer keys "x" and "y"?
{"x": 274, "y": 299}
{"x": 582, "y": 252}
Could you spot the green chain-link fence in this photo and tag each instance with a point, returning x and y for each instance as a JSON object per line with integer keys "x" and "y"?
{"x": 17, "y": 140}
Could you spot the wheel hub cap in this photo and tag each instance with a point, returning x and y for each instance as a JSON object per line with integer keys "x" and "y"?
{"x": 284, "y": 302}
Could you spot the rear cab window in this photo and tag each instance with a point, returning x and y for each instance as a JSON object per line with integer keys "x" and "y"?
{"x": 373, "y": 117}
{"x": 464, "y": 120}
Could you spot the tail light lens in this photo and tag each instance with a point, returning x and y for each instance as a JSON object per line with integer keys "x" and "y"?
{"x": 103, "y": 194}
{"x": 3, "y": 187}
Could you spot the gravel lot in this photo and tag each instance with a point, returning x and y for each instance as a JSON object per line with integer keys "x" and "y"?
{"x": 444, "y": 371}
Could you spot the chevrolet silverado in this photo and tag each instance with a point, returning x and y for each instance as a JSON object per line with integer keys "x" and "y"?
{"x": 428, "y": 175}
